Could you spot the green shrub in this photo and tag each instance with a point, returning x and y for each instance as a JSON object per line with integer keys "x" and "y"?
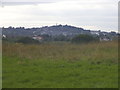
{"x": 61, "y": 38}
{"x": 84, "y": 39}
{"x": 27, "y": 40}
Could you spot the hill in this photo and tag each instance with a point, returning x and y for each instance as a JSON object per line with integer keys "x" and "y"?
{"x": 55, "y": 31}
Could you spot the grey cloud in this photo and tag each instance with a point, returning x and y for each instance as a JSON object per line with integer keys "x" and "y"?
{"x": 104, "y": 17}
{"x": 25, "y": 2}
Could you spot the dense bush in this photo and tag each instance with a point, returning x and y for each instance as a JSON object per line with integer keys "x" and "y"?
{"x": 61, "y": 38}
{"x": 27, "y": 40}
{"x": 84, "y": 39}
{"x": 10, "y": 40}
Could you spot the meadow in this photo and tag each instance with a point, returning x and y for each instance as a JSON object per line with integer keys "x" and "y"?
{"x": 60, "y": 65}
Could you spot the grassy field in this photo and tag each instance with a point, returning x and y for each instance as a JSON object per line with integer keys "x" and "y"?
{"x": 60, "y": 65}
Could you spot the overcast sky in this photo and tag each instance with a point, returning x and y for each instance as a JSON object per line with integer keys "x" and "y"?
{"x": 88, "y": 14}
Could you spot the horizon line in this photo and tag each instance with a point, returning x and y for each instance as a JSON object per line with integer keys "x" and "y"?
{"x": 58, "y": 25}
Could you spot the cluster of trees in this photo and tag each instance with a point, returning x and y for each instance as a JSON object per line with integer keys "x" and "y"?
{"x": 55, "y": 38}
{"x": 24, "y": 40}
{"x": 82, "y": 38}
{"x": 27, "y": 40}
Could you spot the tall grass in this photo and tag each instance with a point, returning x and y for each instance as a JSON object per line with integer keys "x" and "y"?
{"x": 104, "y": 51}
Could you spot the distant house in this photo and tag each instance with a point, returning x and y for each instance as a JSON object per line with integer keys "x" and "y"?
{"x": 105, "y": 39}
{"x": 95, "y": 32}
{"x": 39, "y": 38}
{"x": 4, "y": 36}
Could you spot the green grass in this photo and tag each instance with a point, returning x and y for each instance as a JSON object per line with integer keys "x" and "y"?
{"x": 60, "y": 65}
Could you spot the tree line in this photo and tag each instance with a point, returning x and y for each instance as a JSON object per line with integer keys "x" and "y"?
{"x": 82, "y": 38}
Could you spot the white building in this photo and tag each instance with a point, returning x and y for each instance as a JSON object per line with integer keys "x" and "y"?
{"x": 39, "y": 38}
{"x": 95, "y": 32}
{"x": 4, "y": 36}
